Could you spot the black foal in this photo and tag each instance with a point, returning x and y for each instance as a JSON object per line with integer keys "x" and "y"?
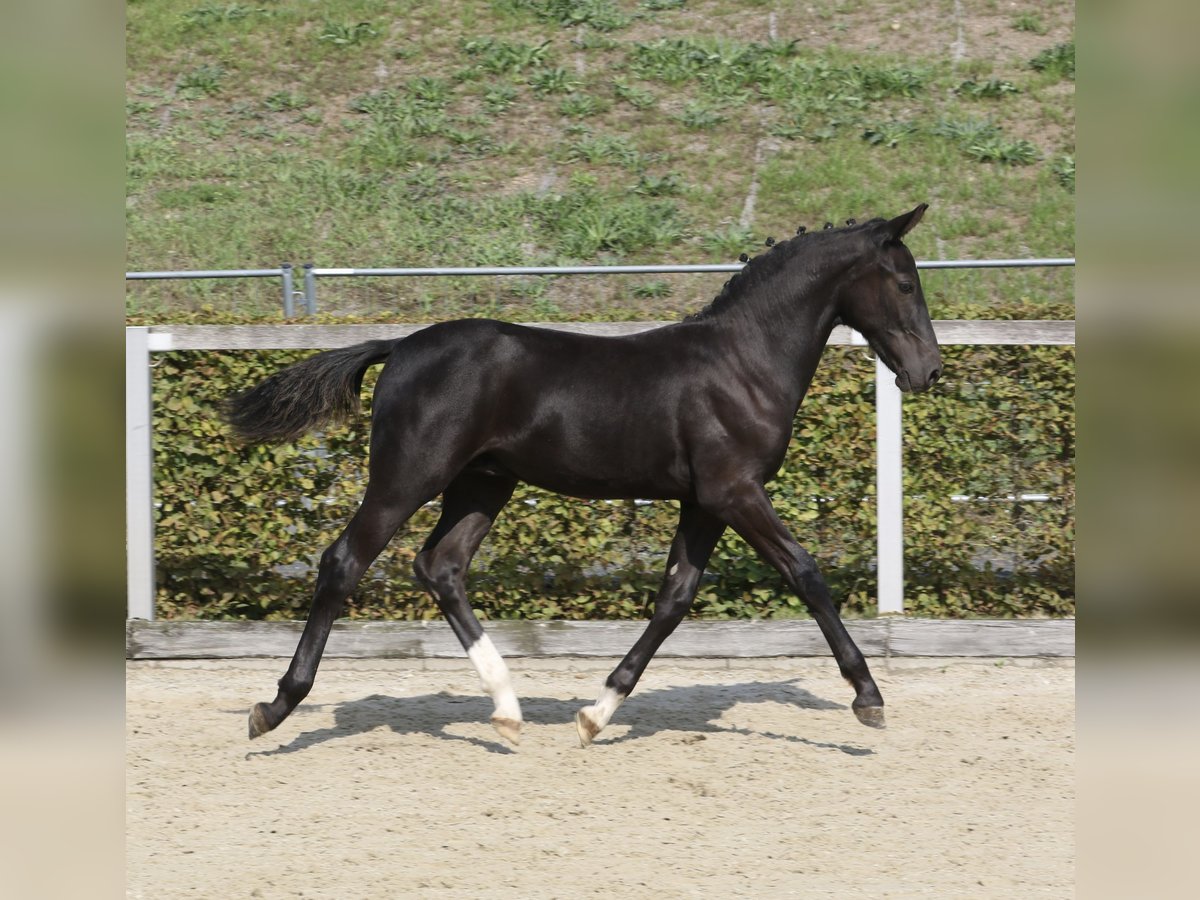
{"x": 700, "y": 412}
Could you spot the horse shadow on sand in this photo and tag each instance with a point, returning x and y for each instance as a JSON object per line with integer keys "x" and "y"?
{"x": 694, "y": 711}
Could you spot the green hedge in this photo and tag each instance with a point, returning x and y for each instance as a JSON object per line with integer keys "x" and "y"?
{"x": 238, "y": 529}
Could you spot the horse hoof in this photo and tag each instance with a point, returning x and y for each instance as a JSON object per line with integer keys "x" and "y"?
{"x": 871, "y": 716}
{"x": 586, "y": 727}
{"x": 509, "y": 729}
{"x": 258, "y": 720}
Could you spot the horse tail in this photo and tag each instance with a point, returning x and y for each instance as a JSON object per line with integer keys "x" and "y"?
{"x": 320, "y": 390}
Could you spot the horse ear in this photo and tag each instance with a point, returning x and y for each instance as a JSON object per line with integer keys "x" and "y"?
{"x": 903, "y": 224}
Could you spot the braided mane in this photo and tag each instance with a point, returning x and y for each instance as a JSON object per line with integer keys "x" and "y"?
{"x": 760, "y": 269}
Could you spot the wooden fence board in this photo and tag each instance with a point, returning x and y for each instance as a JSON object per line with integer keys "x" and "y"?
{"x": 322, "y": 337}
{"x": 734, "y": 639}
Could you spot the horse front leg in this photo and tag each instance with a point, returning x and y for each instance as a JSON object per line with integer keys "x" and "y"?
{"x": 695, "y": 538}
{"x": 749, "y": 512}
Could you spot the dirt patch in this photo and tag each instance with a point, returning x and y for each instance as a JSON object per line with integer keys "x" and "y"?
{"x": 749, "y": 778}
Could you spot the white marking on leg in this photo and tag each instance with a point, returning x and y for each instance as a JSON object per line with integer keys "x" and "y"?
{"x": 590, "y": 720}
{"x": 493, "y": 675}
{"x": 673, "y": 569}
{"x": 607, "y": 704}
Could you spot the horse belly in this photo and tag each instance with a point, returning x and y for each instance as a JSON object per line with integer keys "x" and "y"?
{"x": 597, "y": 464}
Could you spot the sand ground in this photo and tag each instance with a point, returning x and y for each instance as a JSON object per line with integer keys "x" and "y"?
{"x": 716, "y": 778}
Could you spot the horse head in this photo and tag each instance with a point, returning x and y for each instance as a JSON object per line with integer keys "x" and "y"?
{"x": 886, "y": 305}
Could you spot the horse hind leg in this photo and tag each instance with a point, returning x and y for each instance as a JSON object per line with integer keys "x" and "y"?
{"x": 695, "y": 538}
{"x": 342, "y": 567}
{"x": 469, "y": 506}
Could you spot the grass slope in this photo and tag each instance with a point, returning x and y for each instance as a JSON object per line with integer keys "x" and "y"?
{"x": 369, "y": 133}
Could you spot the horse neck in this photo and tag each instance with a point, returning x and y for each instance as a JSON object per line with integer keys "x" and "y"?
{"x": 781, "y": 328}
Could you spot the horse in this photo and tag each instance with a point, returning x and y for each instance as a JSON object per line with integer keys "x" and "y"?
{"x": 699, "y": 411}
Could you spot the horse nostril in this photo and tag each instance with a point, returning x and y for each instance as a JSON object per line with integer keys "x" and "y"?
{"x": 934, "y": 376}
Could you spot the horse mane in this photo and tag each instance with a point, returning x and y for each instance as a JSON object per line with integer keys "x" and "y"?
{"x": 762, "y": 268}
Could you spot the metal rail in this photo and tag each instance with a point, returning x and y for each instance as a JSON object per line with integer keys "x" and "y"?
{"x": 312, "y": 272}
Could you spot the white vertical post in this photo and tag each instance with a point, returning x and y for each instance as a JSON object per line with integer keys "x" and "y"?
{"x": 889, "y": 483}
{"x": 139, "y": 476}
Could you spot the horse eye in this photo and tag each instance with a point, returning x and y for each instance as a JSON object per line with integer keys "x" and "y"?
{"x": 906, "y": 287}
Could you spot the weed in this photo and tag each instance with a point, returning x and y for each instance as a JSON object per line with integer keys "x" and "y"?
{"x": 212, "y": 14}
{"x": 652, "y": 290}
{"x": 993, "y": 87}
{"x": 699, "y": 115}
{"x": 662, "y": 5}
{"x": 877, "y": 83}
{"x": 587, "y": 221}
{"x": 344, "y": 34}
{"x": 503, "y": 56}
{"x": 602, "y": 15}
{"x": 965, "y": 131}
{"x": 1030, "y": 23}
{"x": 604, "y": 149}
{"x": 1057, "y": 61}
{"x": 499, "y": 97}
{"x": 889, "y": 134}
{"x": 429, "y": 92}
{"x": 581, "y": 106}
{"x": 204, "y": 80}
{"x": 658, "y": 186}
{"x": 998, "y": 149}
{"x": 192, "y": 195}
{"x": 638, "y": 98}
{"x": 285, "y": 101}
{"x": 1064, "y": 170}
{"x": 554, "y": 81}
{"x": 729, "y": 241}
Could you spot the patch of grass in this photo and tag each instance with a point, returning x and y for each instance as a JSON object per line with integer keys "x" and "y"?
{"x": 499, "y": 97}
{"x": 212, "y": 14}
{"x": 699, "y": 115}
{"x": 203, "y": 81}
{"x": 430, "y": 142}
{"x": 1029, "y": 22}
{"x": 652, "y": 290}
{"x": 889, "y": 134}
{"x": 658, "y": 186}
{"x": 605, "y": 148}
{"x": 1057, "y": 61}
{"x": 582, "y": 106}
{"x": 637, "y": 97}
{"x": 347, "y": 34}
{"x": 989, "y": 89}
{"x": 197, "y": 195}
{"x": 1064, "y": 171}
{"x": 587, "y": 221}
{"x": 728, "y": 242}
{"x": 285, "y": 101}
{"x": 602, "y": 15}
{"x": 554, "y": 81}
{"x": 496, "y": 56}
{"x": 998, "y": 149}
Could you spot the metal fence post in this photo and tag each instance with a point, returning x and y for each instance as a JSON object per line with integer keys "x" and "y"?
{"x": 889, "y": 481}
{"x": 289, "y": 303}
{"x": 139, "y": 475}
{"x": 310, "y": 289}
